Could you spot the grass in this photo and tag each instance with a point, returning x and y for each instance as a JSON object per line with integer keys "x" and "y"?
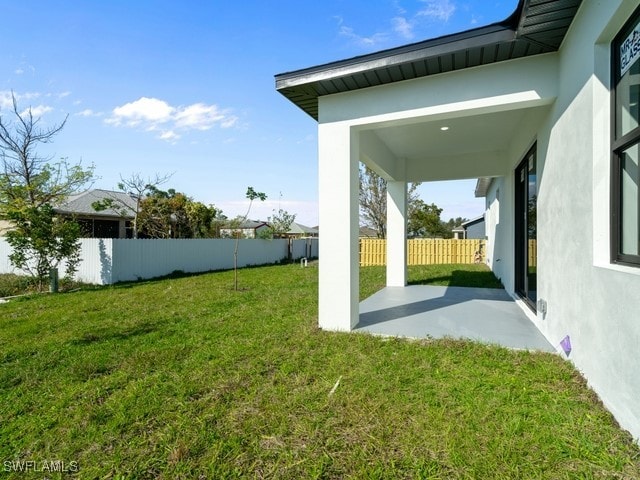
{"x": 12, "y": 285}
{"x": 373, "y": 279}
{"x": 185, "y": 378}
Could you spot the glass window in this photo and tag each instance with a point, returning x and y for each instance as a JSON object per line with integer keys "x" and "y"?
{"x": 625, "y": 176}
{"x": 629, "y": 237}
{"x": 627, "y": 111}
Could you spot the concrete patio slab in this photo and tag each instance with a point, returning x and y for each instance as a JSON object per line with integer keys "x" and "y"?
{"x": 421, "y": 311}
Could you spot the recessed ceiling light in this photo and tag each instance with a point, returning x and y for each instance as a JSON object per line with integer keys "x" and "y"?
{"x": 444, "y": 129}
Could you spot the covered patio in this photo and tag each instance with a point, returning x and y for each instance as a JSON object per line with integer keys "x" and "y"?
{"x": 542, "y": 109}
{"x": 468, "y": 105}
{"x": 486, "y": 315}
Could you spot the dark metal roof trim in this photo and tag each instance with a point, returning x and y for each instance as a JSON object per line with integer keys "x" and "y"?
{"x": 535, "y": 27}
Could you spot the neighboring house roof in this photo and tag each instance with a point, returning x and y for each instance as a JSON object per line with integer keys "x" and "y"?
{"x": 299, "y": 229}
{"x": 246, "y": 225}
{"x": 536, "y": 27}
{"x": 80, "y": 204}
{"x": 368, "y": 232}
{"x": 473, "y": 221}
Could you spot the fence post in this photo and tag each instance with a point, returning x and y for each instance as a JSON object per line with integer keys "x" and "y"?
{"x": 53, "y": 280}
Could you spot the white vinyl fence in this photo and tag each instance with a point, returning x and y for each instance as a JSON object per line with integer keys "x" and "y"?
{"x": 106, "y": 261}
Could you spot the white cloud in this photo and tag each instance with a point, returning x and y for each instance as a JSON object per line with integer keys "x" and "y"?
{"x": 25, "y": 101}
{"x": 404, "y": 24}
{"x": 28, "y": 95}
{"x": 24, "y": 68}
{"x": 203, "y": 117}
{"x": 402, "y": 27}
{"x": 169, "y": 135}
{"x": 87, "y": 112}
{"x": 438, "y": 10}
{"x": 6, "y": 97}
{"x": 152, "y": 114}
{"x": 399, "y": 8}
{"x": 360, "y": 40}
{"x": 143, "y": 110}
{"x": 39, "y": 110}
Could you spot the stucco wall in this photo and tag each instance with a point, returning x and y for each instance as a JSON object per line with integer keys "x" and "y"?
{"x": 595, "y": 303}
{"x": 565, "y": 101}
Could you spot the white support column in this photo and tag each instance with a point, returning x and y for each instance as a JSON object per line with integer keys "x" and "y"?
{"x": 396, "y": 234}
{"x": 338, "y": 151}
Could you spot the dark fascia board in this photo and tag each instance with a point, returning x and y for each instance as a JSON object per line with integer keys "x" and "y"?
{"x": 527, "y": 25}
{"x": 395, "y": 56}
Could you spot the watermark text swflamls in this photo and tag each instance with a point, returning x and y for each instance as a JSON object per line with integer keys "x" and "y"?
{"x": 39, "y": 466}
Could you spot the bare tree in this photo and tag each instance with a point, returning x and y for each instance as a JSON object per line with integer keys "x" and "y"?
{"x": 31, "y": 186}
{"x": 137, "y": 188}
{"x": 373, "y": 200}
{"x": 29, "y": 178}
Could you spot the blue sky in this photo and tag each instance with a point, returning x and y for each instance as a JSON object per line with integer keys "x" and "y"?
{"x": 186, "y": 87}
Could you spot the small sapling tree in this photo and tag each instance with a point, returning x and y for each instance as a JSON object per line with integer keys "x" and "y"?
{"x": 251, "y": 195}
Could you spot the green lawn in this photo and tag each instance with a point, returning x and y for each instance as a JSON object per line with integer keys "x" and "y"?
{"x": 186, "y": 378}
{"x": 372, "y": 279}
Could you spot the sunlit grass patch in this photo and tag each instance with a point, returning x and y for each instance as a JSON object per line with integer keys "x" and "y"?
{"x": 186, "y": 378}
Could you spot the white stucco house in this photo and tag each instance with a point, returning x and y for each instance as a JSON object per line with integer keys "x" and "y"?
{"x": 245, "y": 229}
{"x": 544, "y": 109}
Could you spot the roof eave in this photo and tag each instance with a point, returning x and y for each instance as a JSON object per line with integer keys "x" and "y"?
{"x": 396, "y": 56}
{"x": 531, "y": 30}
{"x": 482, "y": 186}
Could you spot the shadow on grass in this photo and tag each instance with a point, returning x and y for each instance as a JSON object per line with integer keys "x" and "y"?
{"x": 89, "y": 338}
{"x": 176, "y": 274}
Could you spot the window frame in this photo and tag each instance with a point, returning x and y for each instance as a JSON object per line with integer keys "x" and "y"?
{"x": 618, "y": 146}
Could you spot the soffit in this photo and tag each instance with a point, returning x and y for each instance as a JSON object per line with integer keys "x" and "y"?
{"x": 536, "y": 27}
{"x": 481, "y": 133}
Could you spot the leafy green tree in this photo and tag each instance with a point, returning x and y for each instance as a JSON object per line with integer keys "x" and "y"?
{"x": 138, "y": 188}
{"x": 280, "y": 223}
{"x": 40, "y": 241}
{"x": 451, "y": 224}
{"x": 171, "y": 214}
{"x": 31, "y": 186}
{"x": 204, "y": 220}
{"x": 163, "y": 214}
{"x": 424, "y": 220}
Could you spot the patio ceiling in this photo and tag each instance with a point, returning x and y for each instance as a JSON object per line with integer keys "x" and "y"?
{"x": 471, "y": 146}
{"x": 470, "y": 134}
{"x": 536, "y": 27}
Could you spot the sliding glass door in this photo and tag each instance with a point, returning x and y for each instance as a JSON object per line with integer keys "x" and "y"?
{"x": 526, "y": 228}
